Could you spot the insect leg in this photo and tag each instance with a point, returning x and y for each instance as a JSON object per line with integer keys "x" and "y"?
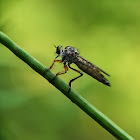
{"x": 61, "y": 72}
{"x": 81, "y": 74}
{"x": 59, "y": 61}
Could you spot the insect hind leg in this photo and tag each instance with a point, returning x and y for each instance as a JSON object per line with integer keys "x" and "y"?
{"x": 81, "y": 74}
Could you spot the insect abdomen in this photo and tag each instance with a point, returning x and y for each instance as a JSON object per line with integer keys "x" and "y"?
{"x": 91, "y": 70}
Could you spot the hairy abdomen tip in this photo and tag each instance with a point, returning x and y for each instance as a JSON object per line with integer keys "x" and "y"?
{"x": 106, "y": 82}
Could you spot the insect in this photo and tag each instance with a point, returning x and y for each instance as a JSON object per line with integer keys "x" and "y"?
{"x": 70, "y": 55}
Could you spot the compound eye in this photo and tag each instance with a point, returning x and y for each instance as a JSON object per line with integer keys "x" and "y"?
{"x": 58, "y": 49}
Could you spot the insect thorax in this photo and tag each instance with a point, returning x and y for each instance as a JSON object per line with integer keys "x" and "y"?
{"x": 69, "y": 55}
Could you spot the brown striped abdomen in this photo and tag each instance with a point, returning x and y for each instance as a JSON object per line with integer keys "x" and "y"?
{"x": 91, "y": 69}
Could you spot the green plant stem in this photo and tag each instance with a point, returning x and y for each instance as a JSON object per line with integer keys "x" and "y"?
{"x": 94, "y": 113}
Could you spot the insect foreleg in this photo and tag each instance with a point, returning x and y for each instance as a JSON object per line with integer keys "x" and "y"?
{"x": 81, "y": 74}
{"x": 59, "y": 61}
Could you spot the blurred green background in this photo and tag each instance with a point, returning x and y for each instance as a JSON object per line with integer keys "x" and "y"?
{"x": 105, "y": 32}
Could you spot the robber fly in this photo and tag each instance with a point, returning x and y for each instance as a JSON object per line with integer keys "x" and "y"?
{"x": 70, "y": 55}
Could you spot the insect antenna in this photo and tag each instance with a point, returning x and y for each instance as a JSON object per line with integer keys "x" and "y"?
{"x": 55, "y": 46}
